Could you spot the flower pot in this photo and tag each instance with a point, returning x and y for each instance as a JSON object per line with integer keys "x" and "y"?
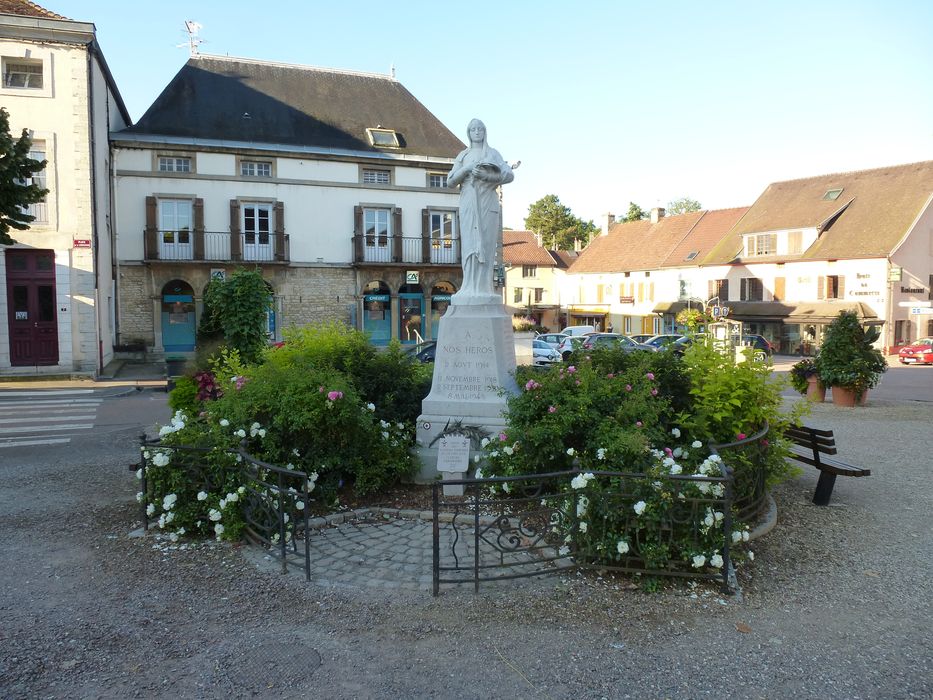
{"x": 843, "y": 396}
{"x": 816, "y": 391}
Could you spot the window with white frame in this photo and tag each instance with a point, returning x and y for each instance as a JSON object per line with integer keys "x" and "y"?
{"x": 529, "y": 270}
{"x": 376, "y": 177}
{"x": 40, "y": 210}
{"x": 174, "y": 164}
{"x": 22, "y": 73}
{"x": 255, "y": 168}
{"x": 383, "y": 138}
{"x": 437, "y": 180}
{"x": 256, "y": 222}
{"x": 175, "y": 229}
{"x": 517, "y": 296}
{"x": 443, "y": 229}
{"x": 377, "y": 227}
{"x": 761, "y": 244}
{"x": 539, "y": 295}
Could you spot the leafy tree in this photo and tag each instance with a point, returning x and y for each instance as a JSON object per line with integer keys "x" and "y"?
{"x": 557, "y": 225}
{"x": 236, "y": 309}
{"x": 16, "y": 169}
{"x": 684, "y": 205}
{"x": 635, "y": 213}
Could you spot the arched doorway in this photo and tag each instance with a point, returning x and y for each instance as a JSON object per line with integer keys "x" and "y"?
{"x": 440, "y": 300}
{"x": 377, "y": 312}
{"x": 411, "y": 314}
{"x": 178, "y": 317}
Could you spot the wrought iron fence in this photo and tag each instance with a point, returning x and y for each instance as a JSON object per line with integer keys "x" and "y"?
{"x": 273, "y": 505}
{"x": 533, "y": 525}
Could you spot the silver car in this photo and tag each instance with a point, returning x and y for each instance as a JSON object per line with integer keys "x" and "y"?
{"x": 543, "y": 354}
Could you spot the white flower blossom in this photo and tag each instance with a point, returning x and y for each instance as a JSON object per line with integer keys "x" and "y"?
{"x": 139, "y": 496}
{"x": 300, "y": 505}
{"x": 581, "y": 480}
{"x": 214, "y": 515}
{"x": 676, "y": 469}
{"x": 622, "y": 547}
{"x": 202, "y": 496}
{"x": 709, "y": 520}
{"x": 400, "y": 426}
{"x": 261, "y": 432}
{"x": 583, "y": 526}
{"x": 296, "y": 452}
{"x": 716, "y": 561}
{"x": 736, "y": 536}
{"x": 160, "y": 459}
{"x": 219, "y": 530}
{"x": 232, "y": 497}
{"x": 240, "y": 433}
{"x": 506, "y": 486}
{"x": 564, "y": 551}
{"x": 180, "y": 531}
{"x": 385, "y": 435}
{"x": 478, "y": 474}
{"x": 678, "y": 452}
{"x": 169, "y": 501}
{"x": 703, "y": 486}
{"x": 313, "y": 476}
{"x": 139, "y": 473}
{"x": 150, "y": 509}
{"x": 223, "y": 503}
{"x": 639, "y": 507}
{"x": 717, "y": 490}
{"x": 601, "y": 453}
{"x": 476, "y": 459}
{"x": 169, "y": 517}
{"x": 224, "y": 422}
{"x": 715, "y": 458}
{"x": 675, "y": 432}
{"x": 668, "y": 462}
{"x": 508, "y": 450}
{"x": 173, "y": 536}
{"x": 371, "y": 406}
{"x": 696, "y": 444}
{"x": 571, "y": 452}
{"x": 484, "y": 442}
{"x": 751, "y": 556}
{"x": 745, "y": 536}
{"x": 162, "y": 520}
{"x": 241, "y": 490}
{"x": 699, "y": 561}
{"x": 582, "y": 506}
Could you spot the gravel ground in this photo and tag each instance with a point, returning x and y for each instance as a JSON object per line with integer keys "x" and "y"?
{"x": 836, "y": 605}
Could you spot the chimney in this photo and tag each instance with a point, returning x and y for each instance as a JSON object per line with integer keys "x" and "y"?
{"x": 657, "y": 214}
{"x": 608, "y": 220}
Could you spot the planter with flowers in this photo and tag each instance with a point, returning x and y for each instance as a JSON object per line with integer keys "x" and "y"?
{"x": 805, "y": 378}
{"x": 848, "y": 361}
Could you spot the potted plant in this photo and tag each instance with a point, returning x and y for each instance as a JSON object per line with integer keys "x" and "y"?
{"x": 848, "y": 361}
{"x": 805, "y": 378}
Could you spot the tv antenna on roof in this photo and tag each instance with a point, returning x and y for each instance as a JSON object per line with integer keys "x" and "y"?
{"x": 194, "y": 41}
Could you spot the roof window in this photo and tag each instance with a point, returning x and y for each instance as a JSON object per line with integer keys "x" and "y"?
{"x": 692, "y": 254}
{"x": 832, "y": 195}
{"x": 383, "y": 138}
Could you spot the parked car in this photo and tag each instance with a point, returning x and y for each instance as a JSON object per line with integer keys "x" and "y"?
{"x": 641, "y": 337}
{"x": 552, "y": 339}
{"x": 424, "y": 352}
{"x": 611, "y": 340}
{"x": 917, "y": 353}
{"x": 659, "y": 341}
{"x": 578, "y": 330}
{"x": 543, "y": 354}
{"x": 763, "y": 349}
{"x": 569, "y": 344}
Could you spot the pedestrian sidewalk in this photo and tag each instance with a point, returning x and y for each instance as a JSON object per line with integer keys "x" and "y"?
{"x": 117, "y": 375}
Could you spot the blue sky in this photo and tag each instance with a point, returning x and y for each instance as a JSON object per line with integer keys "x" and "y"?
{"x": 603, "y": 102}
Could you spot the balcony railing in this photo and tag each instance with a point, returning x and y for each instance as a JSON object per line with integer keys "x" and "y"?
{"x": 215, "y": 246}
{"x": 406, "y": 249}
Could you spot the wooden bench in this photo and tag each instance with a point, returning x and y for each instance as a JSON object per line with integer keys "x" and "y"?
{"x": 809, "y": 446}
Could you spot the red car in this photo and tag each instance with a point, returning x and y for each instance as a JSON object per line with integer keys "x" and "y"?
{"x": 918, "y": 353}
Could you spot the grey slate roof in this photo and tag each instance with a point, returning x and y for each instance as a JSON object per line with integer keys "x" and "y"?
{"x": 292, "y": 105}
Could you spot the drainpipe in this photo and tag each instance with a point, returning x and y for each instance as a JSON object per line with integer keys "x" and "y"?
{"x": 94, "y": 232}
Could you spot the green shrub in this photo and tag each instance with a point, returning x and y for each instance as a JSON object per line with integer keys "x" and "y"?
{"x": 184, "y": 397}
{"x": 848, "y": 358}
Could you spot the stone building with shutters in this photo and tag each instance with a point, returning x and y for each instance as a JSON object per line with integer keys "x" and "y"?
{"x": 332, "y": 183}
{"x": 56, "y": 281}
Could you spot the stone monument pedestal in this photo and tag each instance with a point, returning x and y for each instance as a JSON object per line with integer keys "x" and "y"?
{"x": 473, "y": 376}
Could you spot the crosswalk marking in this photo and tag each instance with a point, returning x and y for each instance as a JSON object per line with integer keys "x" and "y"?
{"x": 27, "y": 443}
{"x": 34, "y": 418}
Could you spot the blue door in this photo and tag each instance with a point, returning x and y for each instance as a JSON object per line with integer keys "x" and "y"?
{"x": 377, "y": 318}
{"x": 178, "y": 329}
{"x": 411, "y": 318}
{"x": 439, "y": 304}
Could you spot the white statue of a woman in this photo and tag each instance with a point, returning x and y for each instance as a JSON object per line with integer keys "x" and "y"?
{"x": 479, "y": 170}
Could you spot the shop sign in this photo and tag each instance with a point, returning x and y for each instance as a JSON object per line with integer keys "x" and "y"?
{"x": 376, "y": 297}
{"x": 894, "y": 273}
{"x": 412, "y": 277}
{"x": 626, "y": 300}
{"x": 915, "y": 303}
{"x": 218, "y": 274}
{"x": 82, "y": 243}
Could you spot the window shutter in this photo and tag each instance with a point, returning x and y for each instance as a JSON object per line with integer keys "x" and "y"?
{"x": 820, "y": 287}
{"x": 425, "y": 236}
{"x": 711, "y": 289}
{"x": 198, "y": 208}
{"x": 358, "y": 234}
{"x": 151, "y": 236}
{"x": 651, "y": 292}
{"x": 779, "y": 289}
{"x": 236, "y": 244}
{"x": 724, "y": 291}
{"x": 396, "y": 235}
{"x": 279, "y": 209}
{"x": 743, "y": 289}
{"x": 930, "y": 294}
{"x": 841, "y": 287}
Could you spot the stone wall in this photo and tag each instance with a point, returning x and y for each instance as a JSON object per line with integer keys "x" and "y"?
{"x": 134, "y": 306}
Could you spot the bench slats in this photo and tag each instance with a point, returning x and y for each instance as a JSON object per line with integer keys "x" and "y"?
{"x": 833, "y": 466}
{"x": 807, "y": 446}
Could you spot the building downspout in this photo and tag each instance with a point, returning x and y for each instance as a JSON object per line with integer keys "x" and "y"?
{"x": 94, "y": 233}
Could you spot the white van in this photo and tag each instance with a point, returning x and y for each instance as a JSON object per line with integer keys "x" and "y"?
{"x": 578, "y": 330}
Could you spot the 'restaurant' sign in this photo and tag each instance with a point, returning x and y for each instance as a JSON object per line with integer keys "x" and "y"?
{"x": 82, "y": 243}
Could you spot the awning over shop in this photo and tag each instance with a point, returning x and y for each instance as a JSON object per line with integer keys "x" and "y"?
{"x": 802, "y": 312}
{"x": 589, "y": 308}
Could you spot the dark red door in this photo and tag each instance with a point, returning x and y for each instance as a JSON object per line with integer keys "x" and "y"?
{"x": 32, "y": 320}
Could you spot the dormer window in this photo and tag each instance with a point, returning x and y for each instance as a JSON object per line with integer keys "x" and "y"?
{"x": 761, "y": 244}
{"x": 383, "y": 138}
{"x": 832, "y": 195}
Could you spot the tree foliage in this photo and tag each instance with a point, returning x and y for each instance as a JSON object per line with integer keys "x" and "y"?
{"x": 557, "y": 225}
{"x": 684, "y": 205}
{"x": 236, "y": 309}
{"x": 635, "y": 213}
{"x": 16, "y": 170}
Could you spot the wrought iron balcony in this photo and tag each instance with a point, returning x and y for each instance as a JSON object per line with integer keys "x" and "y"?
{"x": 215, "y": 246}
{"x": 419, "y": 250}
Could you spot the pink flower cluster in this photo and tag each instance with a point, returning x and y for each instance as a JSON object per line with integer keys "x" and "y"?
{"x": 531, "y": 385}
{"x": 334, "y": 395}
